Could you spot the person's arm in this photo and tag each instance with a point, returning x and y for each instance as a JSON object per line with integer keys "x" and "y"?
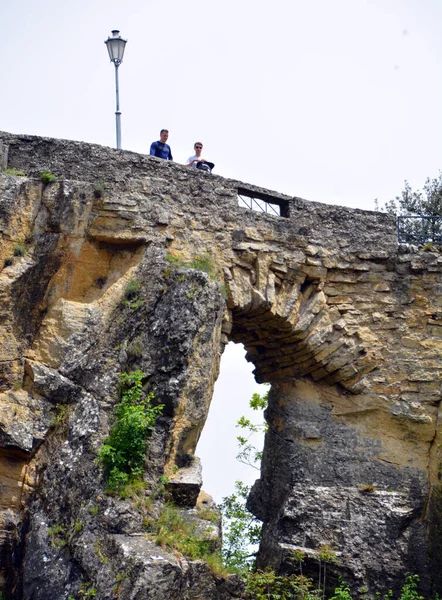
{"x": 170, "y": 157}
{"x": 190, "y": 162}
{"x": 153, "y": 149}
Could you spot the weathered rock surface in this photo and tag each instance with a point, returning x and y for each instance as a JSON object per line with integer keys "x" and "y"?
{"x": 345, "y": 325}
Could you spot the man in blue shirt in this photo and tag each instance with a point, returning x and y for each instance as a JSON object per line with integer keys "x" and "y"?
{"x": 160, "y": 149}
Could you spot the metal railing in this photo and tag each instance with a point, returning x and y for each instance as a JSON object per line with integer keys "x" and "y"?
{"x": 419, "y": 230}
{"x": 259, "y": 205}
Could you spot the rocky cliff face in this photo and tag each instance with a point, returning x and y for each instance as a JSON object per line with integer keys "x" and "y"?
{"x": 344, "y": 324}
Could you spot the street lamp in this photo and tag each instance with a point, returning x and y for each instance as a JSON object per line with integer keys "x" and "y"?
{"x": 115, "y": 47}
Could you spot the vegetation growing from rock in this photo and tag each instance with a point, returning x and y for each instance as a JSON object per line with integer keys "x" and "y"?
{"x": 99, "y": 189}
{"x": 17, "y": 173}
{"x": 47, "y": 177}
{"x": 122, "y": 453}
{"x": 248, "y": 453}
{"x": 131, "y": 295}
{"x": 266, "y": 585}
{"x": 241, "y": 530}
{"x": 170, "y": 530}
{"x": 198, "y": 262}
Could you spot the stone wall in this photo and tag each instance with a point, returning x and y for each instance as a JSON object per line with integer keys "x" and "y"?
{"x": 345, "y": 324}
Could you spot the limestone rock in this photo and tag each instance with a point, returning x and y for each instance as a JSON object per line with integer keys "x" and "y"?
{"x": 343, "y": 322}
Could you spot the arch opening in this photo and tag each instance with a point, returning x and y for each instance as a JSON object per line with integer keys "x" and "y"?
{"x": 218, "y": 447}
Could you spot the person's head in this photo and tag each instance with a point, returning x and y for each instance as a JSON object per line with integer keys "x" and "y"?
{"x": 164, "y": 134}
{"x": 198, "y": 147}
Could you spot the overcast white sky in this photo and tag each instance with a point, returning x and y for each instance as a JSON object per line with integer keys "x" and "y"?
{"x": 336, "y": 101}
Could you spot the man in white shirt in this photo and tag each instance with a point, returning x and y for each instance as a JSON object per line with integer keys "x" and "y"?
{"x": 197, "y": 161}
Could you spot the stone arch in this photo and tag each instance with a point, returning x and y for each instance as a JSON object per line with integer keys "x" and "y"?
{"x": 332, "y": 434}
{"x": 283, "y": 317}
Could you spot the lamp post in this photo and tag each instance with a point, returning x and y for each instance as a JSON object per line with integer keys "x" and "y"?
{"x": 115, "y": 46}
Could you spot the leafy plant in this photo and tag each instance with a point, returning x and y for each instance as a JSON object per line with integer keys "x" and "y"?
{"x": 341, "y": 593}
{"x": 409, "y": 589}
{"x": 122, "y": 453}
{"x": 266, "y": 585}
{"x": 47, "y": 177}
{"x": 326, "y": 556}
{"x": 248, "y": 453}
{"x": 241, "y": 529}
{"x": 298, "y": 557}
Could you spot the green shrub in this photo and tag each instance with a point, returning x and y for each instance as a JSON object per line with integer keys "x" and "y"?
{"x": 266, "y": 585}
{"x": 241, "y": 530}
{"x": 327, "y": 555}
{"x": 341, "y": 593}
{"x": 409, "y": 589}
{"x": 122, "y": 453}
{"x": 47, "y": 177}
